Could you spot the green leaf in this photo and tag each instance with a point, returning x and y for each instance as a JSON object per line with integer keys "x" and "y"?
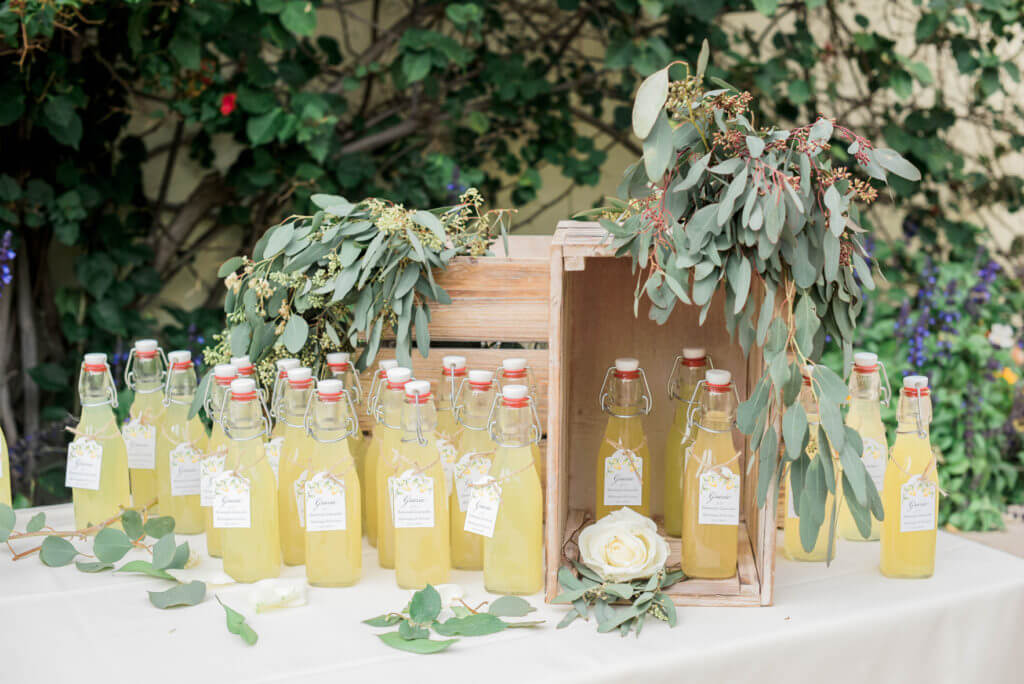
{"x": 832, "y": 422}
{"x": 240, "y": 335}
{"x": 766, "y": 7}
{"x": 649, "y": 103}
{"x": 794, "y": 429}
{"x": 411, "y": 631}
{"x": 425, "y": 605}
{"x": 384, "y": 620}
{"x": 859, "y": 511}
{"x": 702, "y": 58}
{"x": 479, "y": 624}
{"x": 180, "y": 558}
{"x": 622, "y": 591}
{"x": 570, "y": 616}
{"x": 422, "y": 331}
{"x": 111, "y": 545}
{"x": 193, "y": 411}
{"x": 890, "y": 160}
{"x": 299, "y": 16}
{"x": 182, "y": 595}
{"x": 185, "y": 48}
{"x": 694, "y": 174}
{"x": 278, "y": 240}
{"x": 812, "y": 504}
{"x": 145, "y": 568}
{"x": 36, "y": 523}
{"x": 262, "y": 129}
{"x": 7, "y": 521}
{"x": 237, "y": 625}
{"x": 57, "y": 552}
{"x": 163, "y": 552}
{"x": 831, "y": 385}
{"x": 158, "y": 527}
{"x": 658, "y": 149}
{"x": 431, "y": 223}
{"x": 93, "y": 566}
{"x": 230, "y": 266}
{"x": 421, "y": 646}
{"x": 755, "y": 146}
{"x": 416, "y": 66}
{"x": 296, "y": 331}
{"x": 741, "y": 287}
{"x": 131, "y": 521}
{"x": 510, "y": 606}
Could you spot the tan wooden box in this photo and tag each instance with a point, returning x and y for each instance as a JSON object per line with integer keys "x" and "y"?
{"x": 592, "y": 323}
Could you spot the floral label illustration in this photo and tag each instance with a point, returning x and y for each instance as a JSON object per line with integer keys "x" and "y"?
{"x": 449, "y": 455}
{"x": 412, "y": 498}
{"x": 186, "y": 478}
{"x": 299, "y": 492}
{"x": 917, "y": 505}
{"x": 140, "y": 442}
{"x": 85, "y": 462}
{"x": 484, "y": 501}
{"x": 875, "y": 458}
{"x": 325, "y": 503}
{"x": 623, "y": 479}
{"x": 470, "y": 467}
{"x": 231, "y": 501}
{"x": 209, "y": 468}
{"x": 719, "y": 497}
{"x": 272, "y": 449}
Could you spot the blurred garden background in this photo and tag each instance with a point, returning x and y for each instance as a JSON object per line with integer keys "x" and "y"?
{"x": 144, "y": 142}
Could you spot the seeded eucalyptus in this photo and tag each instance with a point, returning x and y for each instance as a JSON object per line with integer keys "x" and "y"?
{"x": 772, "y": 216}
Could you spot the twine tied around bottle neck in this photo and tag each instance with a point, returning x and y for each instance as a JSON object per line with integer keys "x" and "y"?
{"x": 94, "y": 435}
{"x": 502, "y": 480}
{"x": 706, "y": 465}
{"x": 630, "y": 451}
{"x": 450, "y": 438}
{"x": 932, "y": 465}
{"x": 397, "y": 459}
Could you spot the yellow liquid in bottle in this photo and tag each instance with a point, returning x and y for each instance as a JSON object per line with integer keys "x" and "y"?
{"x": 708, "y": 551}
{"x": 468, "y": 548}
{"x": 149, "y": 403}
{"x": 334, "y": 558}
{"x": 253, "y": 553}
{"x": 218, "y": 441}
{"x": 907, "y": 554}
{"x": 357, "y": 446}
{"x": 622, "y": 436}
{"x": 677, "y": 442}
{"x": 865, "y": 417}
{"x": 94, "y": 506}
{"x": 296, "y": 460}
{"x": 512, "y": 556}
{"x": 423, "y": 554}
{"x": 370, "y": 486}
{"x": 175, "y": 429}
{"x": 5, "y": 472}
{"x": 390, "y": 438}
{"x": 792, "y": 548}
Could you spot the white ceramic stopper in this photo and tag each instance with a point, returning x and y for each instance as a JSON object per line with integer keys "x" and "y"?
{"x": 415, "y": 388}
{"x": 514, "y": 392}
{"x": 387, "y": 364}
{"x": 514, "y": 364}
{"x": 96, "y": 359}
{"x": 865, "y": 359}
{"x": 694, "y": 352}
{"x": 627, "y": 365}
{"x": 915, "y": 382}
{"x": 225, "y": 370}
{"x": 179, "y": 356}
{"x": 717, "y": 376}
{"x": 399, "y": 375}
{"x": 145, "y": 345}
{"x": 243, "y": 386}
{"x": 335, "y": 358}
{"x": 300, "y": 374}
{"x": 329, "y": 387}
{"x": 287, "y": 364}
{"x": 454, "y": 362}
{"x": 240, "y": 361}
{"x": 481, "y": 377}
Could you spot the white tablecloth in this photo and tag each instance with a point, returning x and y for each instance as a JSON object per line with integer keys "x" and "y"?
{"x": 842, "y": 624}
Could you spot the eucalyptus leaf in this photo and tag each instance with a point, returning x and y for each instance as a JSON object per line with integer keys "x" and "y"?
{"x": 111, "y": 544}
{"x": 650, "y": 102}
{"x": 56, "y": 552}
{"x": 189, "y": 594}
{"x": 510, "y": 606}
{"x": 425, "y": 605}
{"x": 421, "y": 646}
{"x": 37, "y": 521}
{"x": 145, "y": 568}
{"x": 479, "y": 624}
{"x": 93, "y": 566}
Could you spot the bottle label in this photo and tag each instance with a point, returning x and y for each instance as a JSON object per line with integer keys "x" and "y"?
{"x": 623, "y": 479}
{"x": 484, "y": 501}
{"x": 209, "y": 468}
{"x": 299, "y": 492}
{"x": 470, "y": 467}
{"x": 272, "y": 449}
{"x": 325, "y": 503}
{"x": 231, "y": 501}
{"x": 140, "y": 442}
{"x": 186, "y": 478}
{"x": 917, "y": 505}
{"x": 412, "y": 497}
{"x": 85, "y": 462}
{"x": 719, "y": 497}
{"x": 875, "y": 459}
{"x": 449, "y": 455}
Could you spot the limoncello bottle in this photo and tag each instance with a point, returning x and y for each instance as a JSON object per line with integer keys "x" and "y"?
{"x": 97, "y": 466}
{"x": 509, "y": 503}
{"x": 334, "y": 539}
{"x": 516, "y": 371}
{"x": 144, "y": 375}
{"x": 213, "y": 460}
{"x": 476, "y": 453}
{"x": 687, "y": 372}
{"x": 865, "y": 416}
{"x": 422, "y": 547}
{"x": 453, "y": 372}
{"x": 245, "y": 495}
{"x": 180, "y": 445}
{"x": 712, "y": 483}
{"x": 6, "y": 478}
{"x": 296, "y": 460}
{"x": 389, "y": 427}
{"x": 792, "y": 546}
{"x": 910, "y": 496}
{"x": 243, "y": 364}
{"x": 283, "y": 366}
{"x": 370, "y": 484}
{"x": 624, "y": 459}
{"x": 339, "y": 367}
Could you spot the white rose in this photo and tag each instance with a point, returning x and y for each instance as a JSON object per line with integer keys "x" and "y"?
{"x": 623, "y": 545}
{"x": 1001, "y": 335}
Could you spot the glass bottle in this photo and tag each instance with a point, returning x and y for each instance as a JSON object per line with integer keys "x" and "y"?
{"x": 339, "y": 367}
{"x": 245, "y": 495}
{"x": 6, "y": 478}
{"x": 334, "y": 556}
{"x": 516, "y": 371}
{"x": 712, "y": 482}
{"x": 453, "y": 372}
{"x": 389, "y": 426}
{"x": 283, "y": 366}
{"x": 296, "y": 459}
{"x": 144, "y": 374}
{"x": 99, "y": 474}
{"x": 865, "y": 416}
{"x": 512, "y": 554}
{"x": 212, "y": 463}
{"x": 180, "y": 445}
{"x": 422, "y": 547}
{"x": 911, "y": 493}
{"x": 792, "y": 547}
{"x": 687, "y": 372}
{"x": 476, "y": 452}
{"x": 370, "y": 484}
{"x": 624, "y": 458}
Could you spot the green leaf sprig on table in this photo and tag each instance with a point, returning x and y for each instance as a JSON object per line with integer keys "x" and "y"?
{"x": 622, "y": 606}
{"x": 420, "y": 616}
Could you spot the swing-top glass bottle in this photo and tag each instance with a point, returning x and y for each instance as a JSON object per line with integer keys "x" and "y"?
{"x": 624, "y": 458}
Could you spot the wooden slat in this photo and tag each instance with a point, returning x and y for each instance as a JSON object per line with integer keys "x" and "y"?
{"x": 556, "y": 494}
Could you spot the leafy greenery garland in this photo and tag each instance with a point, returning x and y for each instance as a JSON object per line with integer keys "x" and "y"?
{"x": 772, "y": 213}
{"x": 326, "y": 282}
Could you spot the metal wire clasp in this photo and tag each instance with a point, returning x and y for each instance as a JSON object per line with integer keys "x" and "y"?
{"x": 351, "y": 423}
{"x": 670, "y": 387}
{"x": 129, "y": 374}
{"x": 603, "y": 396}
{"x": 695, "y": 406}
{"x": 265, "y": 416}
{"x": 492, "y": 423}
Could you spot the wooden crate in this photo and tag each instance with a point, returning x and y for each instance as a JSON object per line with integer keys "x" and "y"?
{"x": 592, "y": 323}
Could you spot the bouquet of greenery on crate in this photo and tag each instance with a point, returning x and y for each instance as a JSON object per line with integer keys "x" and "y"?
{"x": 718, "y": 200}
{"x": 338, "y": 279}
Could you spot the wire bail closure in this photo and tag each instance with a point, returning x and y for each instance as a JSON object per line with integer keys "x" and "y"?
{"x": 129, "y": 374}
{"x": 264, "y": 415}
{"x": 695, "y": 406}
{"x": 351, "y": 424}
{"x": 111, "y": 391}
{"x": 418, "y": 419}
{"x": 357, "y": 385}
{"x": 603, "y": 396}
{"x": 492, "y": 422}
{"x": 670, "y": 387}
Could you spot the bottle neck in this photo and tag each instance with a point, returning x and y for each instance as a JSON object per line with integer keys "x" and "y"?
{"x": 514, "y": 425}
{"x": 477, "y": 408}
{"x": 718, "y": 410}
{"x": 347, "y": 377}
{"x": 447, "y": 388}
{"x": 625, "y": 396}
{"x": 147, "y": 372}
{"x": 687, "y": 379}
{"x": 330, "y": 419}
{"x": 181, "y": 386}
{"x": 913, "y": 413}
{"x": 244, "y": 418}
{"x": 94, "y": 388}
{"x": 392, "y": 401}
{"x": 294, "y": 401}
{"x": 865, "y": 386}
{"x": 418, "y": 420}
